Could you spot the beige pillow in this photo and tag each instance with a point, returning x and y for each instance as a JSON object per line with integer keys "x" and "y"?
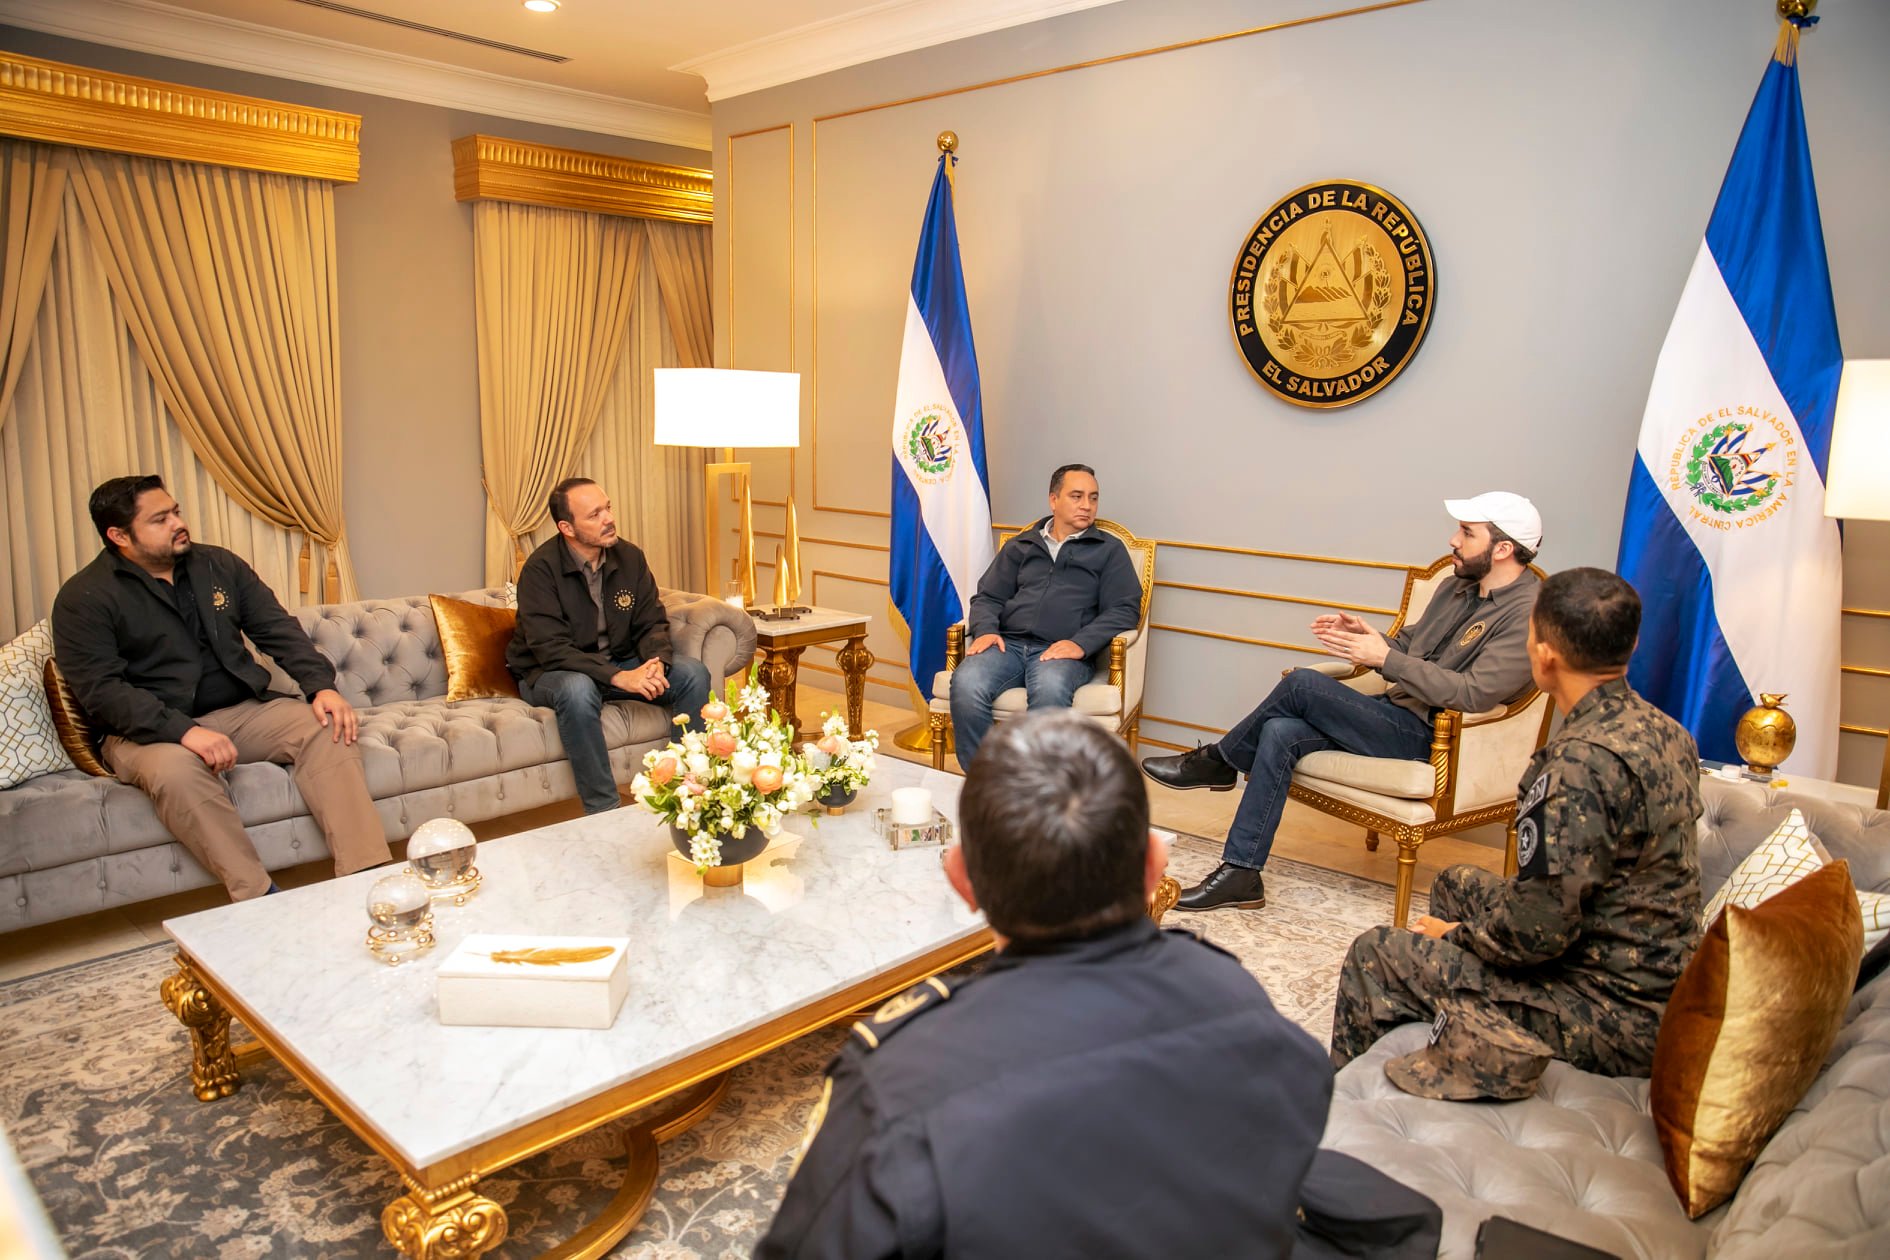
{"x": 29, "y": 742}
{"x": 1747, "y": 1029}
{"x": 1787, "y": 855}
{"x": 473, "y": 638}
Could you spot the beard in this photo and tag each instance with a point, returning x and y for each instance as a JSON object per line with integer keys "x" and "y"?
{"x": 599, "y": 538}
{"x": 1476, "y": 567}
{"x": 176, "y": 549}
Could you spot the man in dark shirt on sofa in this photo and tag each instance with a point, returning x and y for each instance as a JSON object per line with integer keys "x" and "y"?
{"x": 1055, "y": 596}
{"x": 149, "y": 637}
{"x": 591, "y": 628}
{"x": 1035, "y": 1109}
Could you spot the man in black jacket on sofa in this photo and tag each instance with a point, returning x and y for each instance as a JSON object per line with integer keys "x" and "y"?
{"x": 592, "y": 628}
{"x": 1055, "y": 596}
{"x": 149, "y": 637}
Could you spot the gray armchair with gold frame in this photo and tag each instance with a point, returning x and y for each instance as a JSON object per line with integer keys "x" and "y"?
{"x": 1113, "y": 696}
{"x": 1469, "y": 780}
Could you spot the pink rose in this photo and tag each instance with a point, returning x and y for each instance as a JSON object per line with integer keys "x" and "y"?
{"x": 767, "y": 779}
{"x": 663, "y": 771}
{"x": 714, "y": 711}
{"x": 829, "y": 744}
{"x": 720, "y": 744}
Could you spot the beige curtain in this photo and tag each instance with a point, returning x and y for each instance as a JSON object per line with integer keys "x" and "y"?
{"x": 87, "y": 409}
{"x": 680, "y": 252}
{"x": 227, "y": 280}
{"x": 553, "y": 291}
{"x": 32, "y": 191}
{"x": 656, "y": 490}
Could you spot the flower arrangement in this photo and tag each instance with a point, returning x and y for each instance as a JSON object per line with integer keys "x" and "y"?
{"x": 739, "y": 771}
{"x": 837, "y": 763}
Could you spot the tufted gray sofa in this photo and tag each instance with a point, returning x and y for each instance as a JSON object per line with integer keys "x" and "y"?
{"x": 1580, "y": 1159}
{"x": 73, "y": 844}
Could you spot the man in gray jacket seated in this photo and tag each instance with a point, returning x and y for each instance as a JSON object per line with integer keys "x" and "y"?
{"x": 1467, "y": 652}
{"x": 1055, "y": 596}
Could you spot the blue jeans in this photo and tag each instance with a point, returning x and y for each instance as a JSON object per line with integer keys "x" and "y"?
{"x": 578, "y": 700}
{"x": 1306, "y": 713}
{"x": 979, "y": 680}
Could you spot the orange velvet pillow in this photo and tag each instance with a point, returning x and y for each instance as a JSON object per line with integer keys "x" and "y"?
{"x": 1747, "y": 1029}
{"x": 473, "y": 638}
{"x": 74, "y": 727}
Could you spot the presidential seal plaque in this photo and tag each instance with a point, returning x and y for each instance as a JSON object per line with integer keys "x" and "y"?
{"x": 1332, "y": 293}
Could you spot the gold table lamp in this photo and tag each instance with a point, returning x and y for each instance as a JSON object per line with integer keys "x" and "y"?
{"x": 1858, "y": 488}
{"x": 730, "y": 408}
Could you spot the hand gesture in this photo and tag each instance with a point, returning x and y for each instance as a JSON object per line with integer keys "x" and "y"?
{"x": 336, "y": 714}
{"x": 214, "y": 747}
{"x": 984, "y": 641}
{"x": 1435, "y": 928}
{"x": 1063, "y": 650}
{"x": 1344, "y": 635}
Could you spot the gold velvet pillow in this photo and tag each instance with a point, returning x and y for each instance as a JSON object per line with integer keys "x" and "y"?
{"x": 473, "y": 638}
{"x": 75, "y": 729}
{"x": 1747, "y": 1029}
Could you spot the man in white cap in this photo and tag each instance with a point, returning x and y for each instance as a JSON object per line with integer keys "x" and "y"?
{"x": 1469, "y": 652}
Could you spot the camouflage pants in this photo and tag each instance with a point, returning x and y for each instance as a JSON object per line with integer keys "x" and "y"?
{"x": 1393, "y": 976}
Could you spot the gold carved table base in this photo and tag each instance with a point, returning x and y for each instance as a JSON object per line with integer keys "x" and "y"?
{"x": 780, "y": 673}
{"x": 451, "y": 1221}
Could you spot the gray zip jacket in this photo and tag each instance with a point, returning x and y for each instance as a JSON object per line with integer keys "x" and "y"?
{"x": 1486, "y": 660}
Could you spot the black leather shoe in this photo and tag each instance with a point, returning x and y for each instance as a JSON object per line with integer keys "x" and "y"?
{"x": 1229, "y": 885}
{"x": 1202, "y": 768}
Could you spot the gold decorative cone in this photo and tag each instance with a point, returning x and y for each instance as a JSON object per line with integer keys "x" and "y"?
{"x": 745, "y": 555}
{"x": 793, "y": 547}
{"x": 781, "y": 596}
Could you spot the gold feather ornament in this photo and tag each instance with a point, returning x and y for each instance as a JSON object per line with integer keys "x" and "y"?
{"x": 552, "y": 956}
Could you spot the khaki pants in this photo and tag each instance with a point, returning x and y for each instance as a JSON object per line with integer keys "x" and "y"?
{"x": 194, "y": 804}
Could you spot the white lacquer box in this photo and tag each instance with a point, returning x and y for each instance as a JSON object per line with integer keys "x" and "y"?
{"x": 535, "y": 981}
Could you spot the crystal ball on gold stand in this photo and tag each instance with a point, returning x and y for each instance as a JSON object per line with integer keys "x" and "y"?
{"x": 402, "y": 910}
{"x": 440, "y": 852}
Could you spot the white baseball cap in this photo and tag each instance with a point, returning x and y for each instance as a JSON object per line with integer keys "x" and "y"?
{"x": 1511, "y": 513}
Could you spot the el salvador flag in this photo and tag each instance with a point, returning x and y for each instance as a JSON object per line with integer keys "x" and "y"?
{"x": 1724, "y": 535}
{"x": 941, "y": 494}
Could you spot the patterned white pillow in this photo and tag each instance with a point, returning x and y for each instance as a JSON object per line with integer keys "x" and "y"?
{"x": 1782, "y": 859}
{"x": 29, "y": 743}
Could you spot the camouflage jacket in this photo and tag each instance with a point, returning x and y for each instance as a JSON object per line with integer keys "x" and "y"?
{"x": 1606, "y": 901}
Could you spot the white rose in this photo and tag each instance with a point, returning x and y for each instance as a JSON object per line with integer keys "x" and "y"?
{"x": 698, "y": 763}
{"x": 742, "y": 765}
{"x": 770, "y": 758}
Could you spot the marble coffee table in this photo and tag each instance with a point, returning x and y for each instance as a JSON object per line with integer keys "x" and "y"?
{"x": 826, "y": 921}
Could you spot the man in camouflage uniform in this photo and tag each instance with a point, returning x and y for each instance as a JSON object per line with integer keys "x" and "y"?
{"x": 1583, "y": 947}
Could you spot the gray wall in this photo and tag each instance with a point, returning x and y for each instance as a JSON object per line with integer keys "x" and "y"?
{"x": 1562, "y": 159}
{"x": 409, "y": 357}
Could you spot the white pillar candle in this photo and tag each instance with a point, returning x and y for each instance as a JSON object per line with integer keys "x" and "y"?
{"x": 912, "y": 806}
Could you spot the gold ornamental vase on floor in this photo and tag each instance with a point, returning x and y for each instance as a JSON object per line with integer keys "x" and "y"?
{"x": 1765, "y": 735}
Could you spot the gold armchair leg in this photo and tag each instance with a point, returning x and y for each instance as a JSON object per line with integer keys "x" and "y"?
{"x": 212, "y": 1066}
{"x": 1371, "y": 841}
{"x": 938, "y": 722}
{"x": 1167, "y": 893}
{"x": 1407, "y": 875}
{"x": 1509, "y": 851}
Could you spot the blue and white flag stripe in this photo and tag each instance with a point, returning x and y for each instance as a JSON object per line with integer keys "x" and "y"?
{"x": 941, "y": 495}
{"x": 1724, "y": 535}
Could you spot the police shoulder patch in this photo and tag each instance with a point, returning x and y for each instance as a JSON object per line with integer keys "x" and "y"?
{"x": 1532, "y": 839}
{"x": 897, "y": 1012}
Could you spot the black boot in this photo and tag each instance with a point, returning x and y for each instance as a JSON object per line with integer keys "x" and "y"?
{"x": 1229, "y": 885}
{"x": 1202, "y": 768}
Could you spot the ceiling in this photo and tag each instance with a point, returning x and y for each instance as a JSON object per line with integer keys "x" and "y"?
{"x": 647, "y": 68}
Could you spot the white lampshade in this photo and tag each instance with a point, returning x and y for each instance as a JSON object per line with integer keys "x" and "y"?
{"x": 1858, "y": 487}
{"x": 726, "y": 407}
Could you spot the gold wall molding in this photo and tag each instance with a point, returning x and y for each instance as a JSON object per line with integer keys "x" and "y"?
{"x": 492, "y": 168}
{"x": 57, "y": 103}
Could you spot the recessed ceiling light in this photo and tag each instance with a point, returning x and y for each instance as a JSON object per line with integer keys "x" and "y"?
{"x": 542, "y": 6}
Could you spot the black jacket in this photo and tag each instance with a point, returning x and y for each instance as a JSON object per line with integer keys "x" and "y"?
{"x": 557, "y": 622}
{"x": 1134, "y": 1094}
{"x": 1089, "y": 594}
{"x": 134, "y": 666}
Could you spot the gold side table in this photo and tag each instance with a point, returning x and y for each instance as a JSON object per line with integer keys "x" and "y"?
{"x": 781, "y": 643}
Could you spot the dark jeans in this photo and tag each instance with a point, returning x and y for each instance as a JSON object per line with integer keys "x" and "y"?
{"x": 578, "y": 700}
{"x": 979, "y": 680}
{"x": 1306, "y": 713}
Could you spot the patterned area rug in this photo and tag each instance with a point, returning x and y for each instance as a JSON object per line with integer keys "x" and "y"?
{"x": 94, "y": 1091}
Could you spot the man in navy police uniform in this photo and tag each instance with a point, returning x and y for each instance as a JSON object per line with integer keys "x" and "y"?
{"x": 1102, "y": 1088}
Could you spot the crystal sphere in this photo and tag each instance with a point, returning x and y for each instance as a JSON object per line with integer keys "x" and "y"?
{"x": 441, "y": 850}
{"x": 400, "y": 902}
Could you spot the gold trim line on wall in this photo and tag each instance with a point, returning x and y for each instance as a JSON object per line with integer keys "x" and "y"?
{"x": 1867, "y": 670}
{"x": 492, "y": 168}
{"x": 57, "y": 103}
{"x": 1866, "y": 612}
